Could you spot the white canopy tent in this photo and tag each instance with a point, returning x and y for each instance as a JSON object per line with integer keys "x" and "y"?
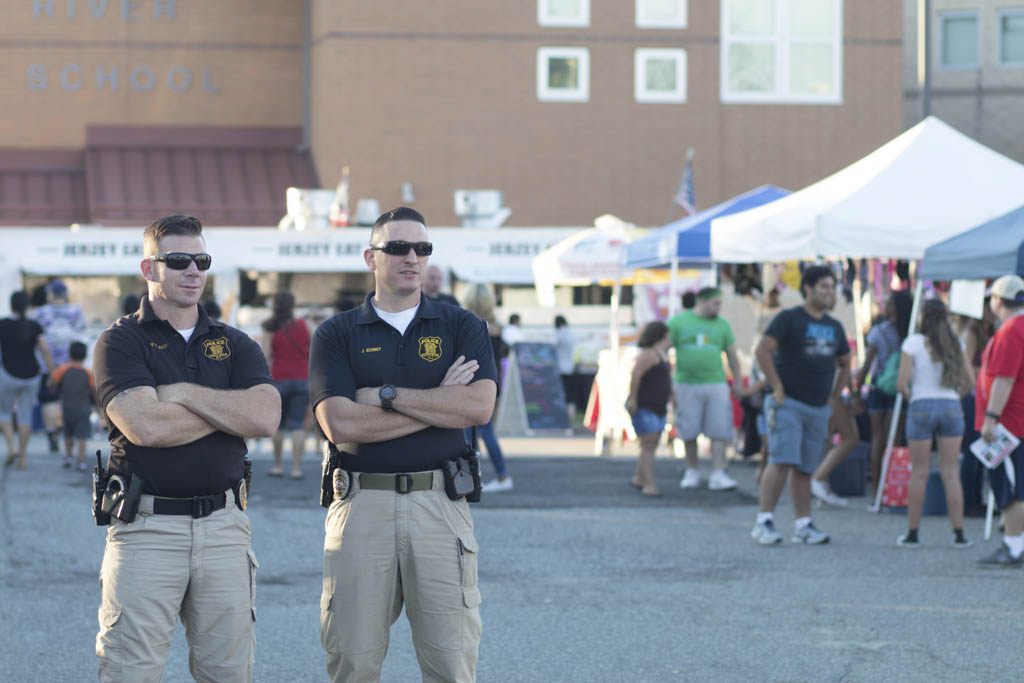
{"x": 920, "y": 188}
{"x": 925, "y": 186}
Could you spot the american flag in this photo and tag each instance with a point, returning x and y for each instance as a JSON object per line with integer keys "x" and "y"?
{"x": 685, "y": 196}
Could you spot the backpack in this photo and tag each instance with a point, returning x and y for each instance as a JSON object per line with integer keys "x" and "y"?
{"x": 888, "y": 381}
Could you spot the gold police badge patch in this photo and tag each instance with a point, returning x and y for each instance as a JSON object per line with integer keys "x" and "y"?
{"x": 217, "y": 349}
{"x": 430, "y": 348}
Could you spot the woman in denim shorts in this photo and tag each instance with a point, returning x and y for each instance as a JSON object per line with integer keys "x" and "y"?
{"x": 650, "y": 390}
{"x": 933, "y": 370}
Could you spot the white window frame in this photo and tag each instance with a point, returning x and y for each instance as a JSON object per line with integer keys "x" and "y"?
{"x": 959, "y": 15}
{"x": 1017, "y": 11}
{"x": 782, "y": 42}
{"x": 544, "y": 17}
{"x": 548, "y": 94}
{"x": 640, "y": 57}
{"x": 644, "y": 21}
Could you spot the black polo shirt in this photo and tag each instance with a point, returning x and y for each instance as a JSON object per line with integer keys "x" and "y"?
{"x": 141, "y": 350}
{"x": 357, "y": 349}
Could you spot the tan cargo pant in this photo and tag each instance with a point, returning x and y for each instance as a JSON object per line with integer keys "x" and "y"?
{"x": 161, "y": 567}
{"x": 385, "y": 549}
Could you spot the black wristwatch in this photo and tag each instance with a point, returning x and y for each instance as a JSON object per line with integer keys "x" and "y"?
{"x": 387, "y": 395}
{"x": 994, "y": 416}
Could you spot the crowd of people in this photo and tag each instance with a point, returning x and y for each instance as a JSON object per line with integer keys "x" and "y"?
{"x": 956, "y": 374}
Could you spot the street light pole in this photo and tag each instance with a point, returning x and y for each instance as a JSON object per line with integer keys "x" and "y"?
{"x": 924, "y": 55}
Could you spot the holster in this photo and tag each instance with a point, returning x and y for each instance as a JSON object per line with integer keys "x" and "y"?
{"x": 335, "y": 480}
{"x": 462, "y": 474}
{"x": 121, "y": 497}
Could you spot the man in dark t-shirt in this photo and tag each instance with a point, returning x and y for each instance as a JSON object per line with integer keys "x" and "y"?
{"x": 798, "y": 354}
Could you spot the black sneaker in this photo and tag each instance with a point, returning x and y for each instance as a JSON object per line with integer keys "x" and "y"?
{"x": 1001, "y": 559}
{"x": 908, "y": 541}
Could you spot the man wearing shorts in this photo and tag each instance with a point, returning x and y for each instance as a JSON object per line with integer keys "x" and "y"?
{"x": 1000, "y": 400}
{"x": 798, "y": 354}
{"x": 702, "y": 393}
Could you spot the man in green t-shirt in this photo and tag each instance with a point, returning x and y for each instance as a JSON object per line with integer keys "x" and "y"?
{"x": 702, "y": 393}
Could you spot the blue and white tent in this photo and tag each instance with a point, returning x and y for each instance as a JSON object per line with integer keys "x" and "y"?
{"x": 690, "y": 237}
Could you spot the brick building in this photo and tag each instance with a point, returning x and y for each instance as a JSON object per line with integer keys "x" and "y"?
{"x": 977, "y": 69}
{"x": 118, "y": 110}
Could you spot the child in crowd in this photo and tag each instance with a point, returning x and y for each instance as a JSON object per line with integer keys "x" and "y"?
{"x": 73, "y": 381}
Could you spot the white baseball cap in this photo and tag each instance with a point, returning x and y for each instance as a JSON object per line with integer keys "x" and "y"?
{"x": 1008, "y": 287}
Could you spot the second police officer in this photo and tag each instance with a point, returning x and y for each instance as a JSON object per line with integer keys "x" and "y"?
{"x": 393, "y": 383}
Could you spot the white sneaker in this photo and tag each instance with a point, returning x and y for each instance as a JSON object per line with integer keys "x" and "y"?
{"x": 720, "y": 481}
{"x": 691, "y": 479}
{"x": 821, "y": 491}
{"x": 809, "y": 534}
{"x": 765, "y": 533}
{"x": 497, "y": 485}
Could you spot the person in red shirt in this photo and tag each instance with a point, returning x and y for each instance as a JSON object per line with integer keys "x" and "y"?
{"x": 1000, "y": 400}
{"x": 286, "y": 345}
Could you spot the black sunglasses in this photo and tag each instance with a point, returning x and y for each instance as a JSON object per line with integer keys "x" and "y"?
{"x": 401, "y": 247}
{"x": 178, "y": 260}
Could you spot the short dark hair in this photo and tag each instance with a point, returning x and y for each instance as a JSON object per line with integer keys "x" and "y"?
{"x": 1012, "y": 304}
{"x": 401, "y": 213}
{"x": 689, "y": 300}
{"x": 177, "y": 224}
{"x": 19, "y": 303}
{"x": 513, "y": 319}
{"x": 812, "y": 275}
{"x": 653, "y": 333}
{"x": 78, "y": 350}
{"x": 560, "y": 321}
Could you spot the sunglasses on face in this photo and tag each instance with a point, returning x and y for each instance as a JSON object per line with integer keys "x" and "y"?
{"x": 180, "y": 261}
{"x": 401, "y": 247}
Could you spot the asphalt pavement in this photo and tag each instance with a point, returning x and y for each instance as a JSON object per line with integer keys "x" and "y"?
{"x": 583, "y": 580}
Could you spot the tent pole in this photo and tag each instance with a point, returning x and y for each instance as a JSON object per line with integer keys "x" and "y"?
{"x": 673, "y": 291}
{"x": 880, "y": 484}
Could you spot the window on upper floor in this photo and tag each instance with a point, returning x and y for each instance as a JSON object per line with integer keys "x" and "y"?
{"x": 1011, "y": 37}
{"x": 959, "y": 41}
{"x": 563, "y": 12}
{"x": 782, "y": 51}
{"x": 661, "y": 13}
{"x": 659, "y": 75}
{"x": 563, "y": 74}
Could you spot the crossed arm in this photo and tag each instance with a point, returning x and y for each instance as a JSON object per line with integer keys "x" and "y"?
{"x": 177, "y": 414}
{"x": 456, "y": 403}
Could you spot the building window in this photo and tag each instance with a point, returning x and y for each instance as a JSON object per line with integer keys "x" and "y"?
{"x": 782, "y": 51}
{"x": 1011, "y": 37}
{"x": 563, "y": 12}
{"x": 661, "y": 13}
{"x": 563, "y": 74}
{"x": 959, "y": 40}
{"x": 659, "y": 75}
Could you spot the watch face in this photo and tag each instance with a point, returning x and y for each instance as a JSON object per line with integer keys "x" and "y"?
{"x": 387, "y": 392}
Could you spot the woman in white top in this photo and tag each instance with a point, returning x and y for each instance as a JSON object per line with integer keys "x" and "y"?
{"x": 933, "y": 372}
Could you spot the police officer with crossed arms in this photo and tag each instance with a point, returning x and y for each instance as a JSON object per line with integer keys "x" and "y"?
{"x": 181, "y": 392}
{"x": 394, "y": 382}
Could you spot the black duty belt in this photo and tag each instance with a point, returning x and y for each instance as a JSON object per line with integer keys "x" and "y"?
{"x": 197, "y": 506}
{"x": 399, "y": 483}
